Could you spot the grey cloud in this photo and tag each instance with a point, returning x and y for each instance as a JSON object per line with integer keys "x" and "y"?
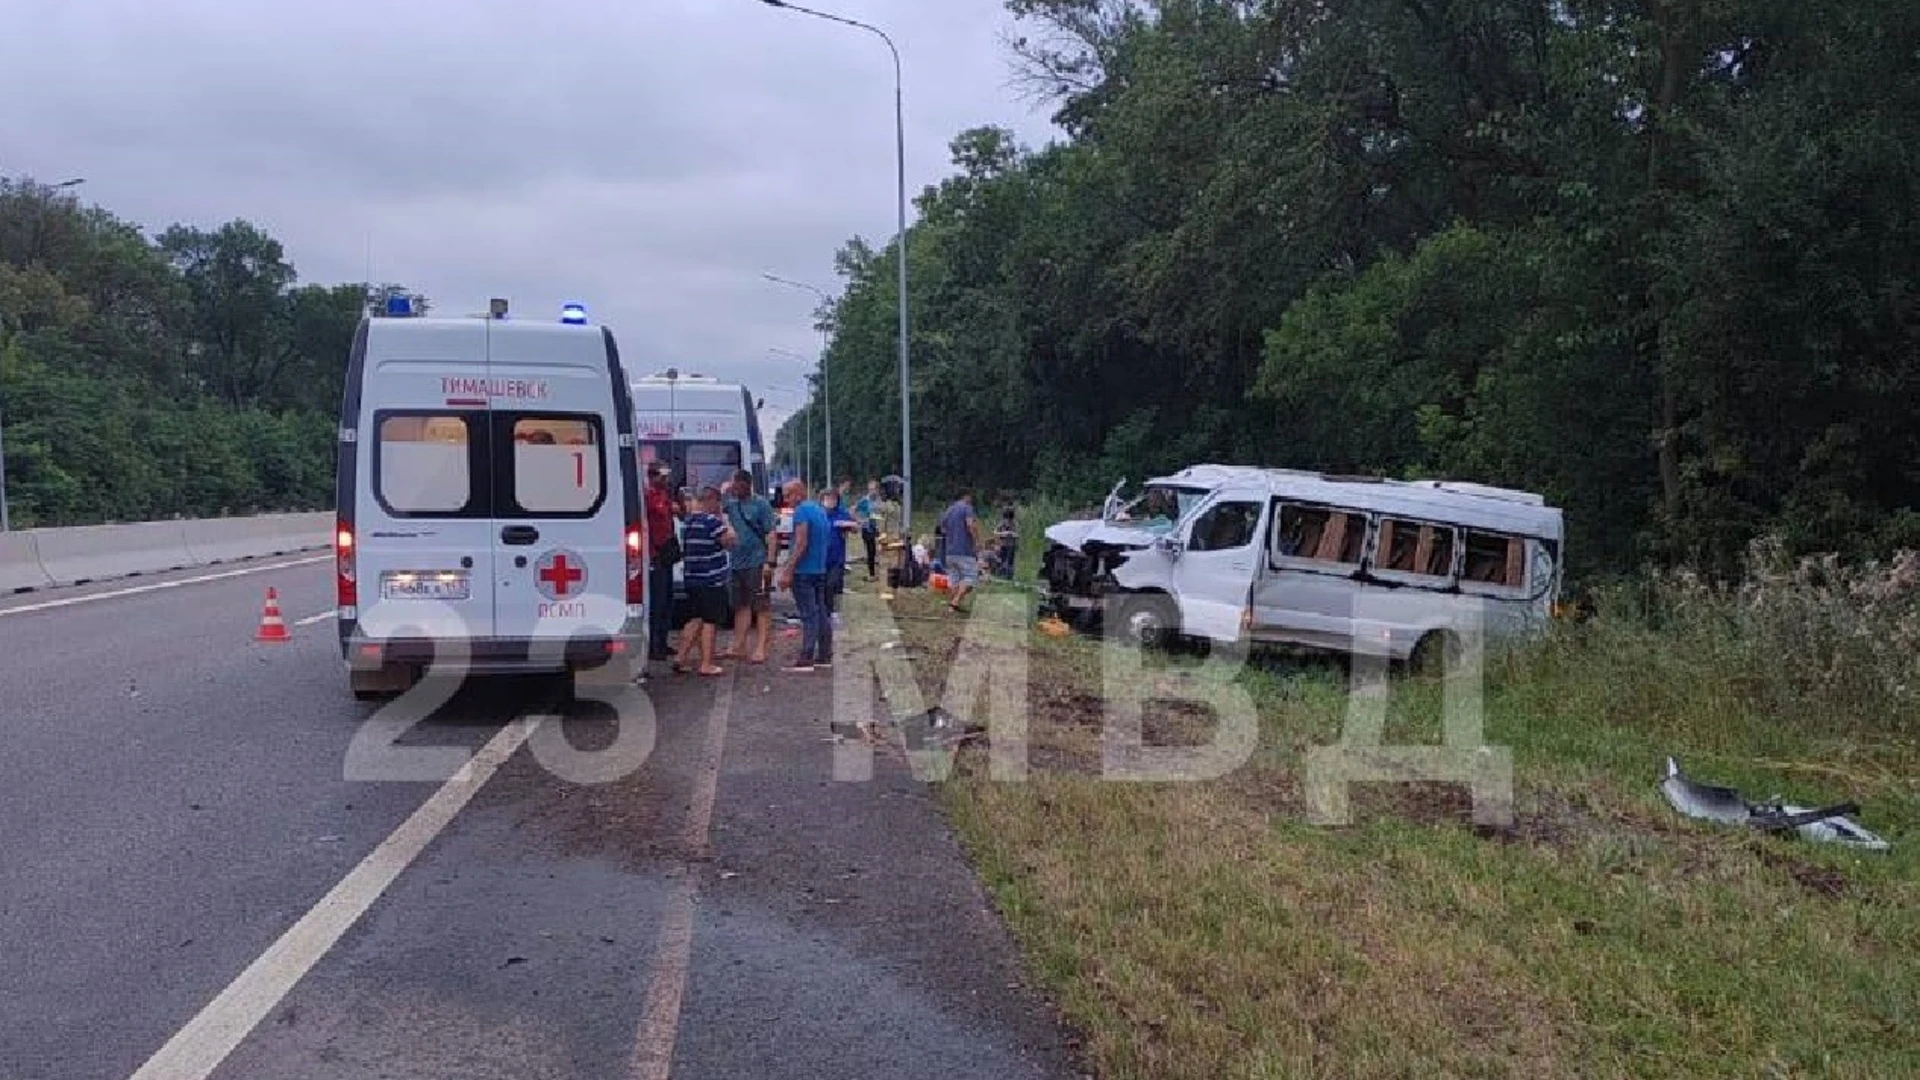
{"x": 650, "y": 159}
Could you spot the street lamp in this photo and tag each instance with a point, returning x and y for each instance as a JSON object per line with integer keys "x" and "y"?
{"x": 6, "y": 515}
{"x": 826, "y": 343}
{"x": 900, "y": 153}
{"x": 806, "y": 428}
{"x": 800, "y": 396}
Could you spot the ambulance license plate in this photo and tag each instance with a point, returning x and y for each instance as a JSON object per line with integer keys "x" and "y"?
{"x": 425, "y": 585}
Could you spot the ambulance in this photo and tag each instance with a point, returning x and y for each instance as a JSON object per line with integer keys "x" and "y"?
{"x": 489, "y": 510}
{"x": 704, "y": 430}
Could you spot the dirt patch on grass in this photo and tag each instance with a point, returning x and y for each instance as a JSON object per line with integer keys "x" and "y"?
{"x": 1826, "y": 882}
{"x": 1268, "y": 790}
{"x": 1563, "y": 821}
{"x": 1163, "y": 721}
{"x": 1070, "y": 709}
{"x": 1421, "y": 802}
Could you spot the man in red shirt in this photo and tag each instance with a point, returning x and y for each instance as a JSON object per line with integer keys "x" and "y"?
{"x": 660, "y": 536}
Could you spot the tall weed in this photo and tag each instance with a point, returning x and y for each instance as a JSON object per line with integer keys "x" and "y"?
{"x": 1813, "y": 643}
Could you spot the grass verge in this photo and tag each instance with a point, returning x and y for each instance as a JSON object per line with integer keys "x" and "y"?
{"x": 1204, "y": 929}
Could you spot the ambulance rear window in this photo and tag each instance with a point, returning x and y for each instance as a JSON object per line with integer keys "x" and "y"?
{"x": 559, "y": 465}
{"x": 423, "y": 463}
{"x": 695, "y": 463}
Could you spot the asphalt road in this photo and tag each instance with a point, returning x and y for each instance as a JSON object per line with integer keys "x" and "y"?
{"x": 193, "y": 886}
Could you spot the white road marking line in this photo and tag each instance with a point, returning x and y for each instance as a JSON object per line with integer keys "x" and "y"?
{"x": 209, "y": 1037}
{"x": 311, "y": 619}
{"x": 660, "y": 1017}
{"x": 68, "y": 601}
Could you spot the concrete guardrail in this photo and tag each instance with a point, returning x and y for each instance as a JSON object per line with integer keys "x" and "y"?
{"x": 20, "y": 568}
{"x": 41, "y": 558}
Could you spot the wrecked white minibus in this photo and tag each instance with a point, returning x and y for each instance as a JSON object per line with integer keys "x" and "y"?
{"x": 1270, "y": 556}
{"x": 1077, "y": 563}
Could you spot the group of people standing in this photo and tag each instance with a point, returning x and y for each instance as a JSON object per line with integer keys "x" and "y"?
{"x": 738, "y": 548}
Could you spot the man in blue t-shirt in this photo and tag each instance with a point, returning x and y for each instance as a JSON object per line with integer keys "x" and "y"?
{"x": 805, "y": 574}
{"x": 960, "y": 531}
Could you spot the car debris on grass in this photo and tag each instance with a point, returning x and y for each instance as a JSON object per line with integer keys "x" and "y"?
{"x": 1709, "y": 802}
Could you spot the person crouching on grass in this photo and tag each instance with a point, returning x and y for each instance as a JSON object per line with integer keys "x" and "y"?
{"x": 705, "y": 538}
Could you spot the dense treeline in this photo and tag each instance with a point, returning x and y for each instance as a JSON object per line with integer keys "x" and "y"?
{"x": 187, "y": 374}
{"x": 1658, "y": 260}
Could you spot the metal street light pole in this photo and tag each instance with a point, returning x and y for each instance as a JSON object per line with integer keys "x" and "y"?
{"x": 826, "y": 343}
{"x": 6, "y": 513}
{"x": 806, "y": 426}
{"x": 6, "y": 517}
{"x": 900, "y": 179}
{"x": 797, "y": 393}
{"x": 793, "y": 456}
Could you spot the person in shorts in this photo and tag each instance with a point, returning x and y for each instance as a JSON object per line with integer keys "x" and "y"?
{"x": 960, "y": 540}
{"x": 754, "y": 525}
{"x": 705, "y": 538}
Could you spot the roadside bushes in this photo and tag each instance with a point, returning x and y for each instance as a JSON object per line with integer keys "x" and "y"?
{"x": 1811, "y": 643}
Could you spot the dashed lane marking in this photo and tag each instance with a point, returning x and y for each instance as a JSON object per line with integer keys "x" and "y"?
{"x": 660, "y": 1016}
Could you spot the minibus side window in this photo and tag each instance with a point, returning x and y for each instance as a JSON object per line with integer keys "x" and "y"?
{"x": 558, "y": 468}
{"x": 423, "y": 463}
{"x": 1414, "y": 547}
{"x": 1327, "y": 535}
{"x": 1224, "y": 527}
{"x": 1494, "y": 559}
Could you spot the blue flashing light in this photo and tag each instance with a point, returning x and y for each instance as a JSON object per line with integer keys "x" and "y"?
{"x": 574, "y": 314}
{"x": 399, "y": 306}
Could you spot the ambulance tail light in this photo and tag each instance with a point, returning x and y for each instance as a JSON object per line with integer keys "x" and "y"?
{"x": 346, "y": 587}
{"x": 636, "y": 563}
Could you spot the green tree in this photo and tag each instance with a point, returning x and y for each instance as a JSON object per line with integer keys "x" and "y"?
{"x": 142, "y": 379}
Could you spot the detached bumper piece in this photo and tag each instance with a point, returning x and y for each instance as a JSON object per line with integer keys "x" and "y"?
{"x": 1709, "y": 802}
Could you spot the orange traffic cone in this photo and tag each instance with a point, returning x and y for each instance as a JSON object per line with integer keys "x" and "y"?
{"x": 272, "y": 628}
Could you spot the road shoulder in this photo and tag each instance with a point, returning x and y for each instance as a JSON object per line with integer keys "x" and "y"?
{"x": 842, "y": 919}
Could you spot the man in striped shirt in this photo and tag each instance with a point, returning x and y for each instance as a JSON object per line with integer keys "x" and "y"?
{"x": 705, "y": 538}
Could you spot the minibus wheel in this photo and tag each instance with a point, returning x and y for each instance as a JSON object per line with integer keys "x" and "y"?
{"x": 1435, "y": 653}
{"x": 1149, "y": 621}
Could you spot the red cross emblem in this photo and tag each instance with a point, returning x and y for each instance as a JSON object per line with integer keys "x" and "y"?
{"x": 558, "y": 572}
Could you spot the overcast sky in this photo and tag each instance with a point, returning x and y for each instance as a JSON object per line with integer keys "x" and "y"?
{"x": 650, "y": 158}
